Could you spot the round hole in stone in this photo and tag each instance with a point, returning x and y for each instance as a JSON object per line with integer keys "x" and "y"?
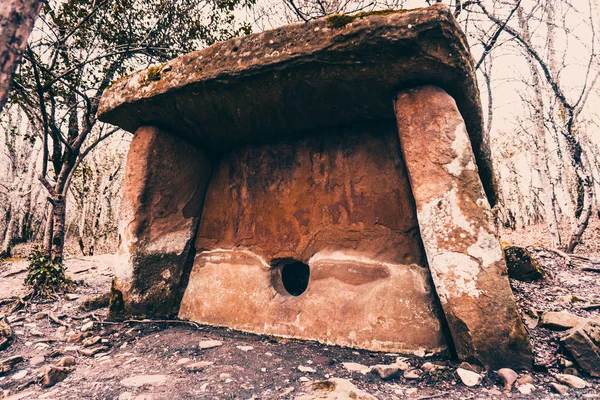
{"x": 291, "y": 276}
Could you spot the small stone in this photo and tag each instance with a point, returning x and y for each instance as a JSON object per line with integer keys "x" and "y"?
{"x": 74, "y": 337}
{"x": 524, "y": 379}
{"x": 209, "y": 344}
{"x": 91, "y": 351}
{"x": 560, "y": 321}
{"x": 526, "y": 388}
{"x": 40, "y": 315}
{"x": 571, "y": 380}
{"x": 468, "y": 367}
{"x": 355, "y": 367}
{"x": 245, "y": 348}
{"x": 41, "y": 345}
{"x": 88, "y": 326}
{"x": 508, "y": 377}
{"x": 412, "y": 374}
{"x": 334, "y": 388}
{"x": 53, "y": 375}
{"x": 66, "y": 361}
{"x": 71, "y": 296}
{"x": 36, "y": 332}
{"x": 71, "y": 349}
{"x": 36, "y": 360}
{"x": 198, "y": 366}
{"x": 60, "y": 332}
{"x": 469, "y": 378}
{"x": 182, "y": 361}
{"x": 306, "y": 369}
{"x": 386, "y": 372}
{"x": 20, "y": 375}
{"x": 88, "y": 342}
{"x": 304, "y": 379}
{"x": 431, "y": 367}
{"x": 521, "y": 265}
{"x": 141, "y": 380}
{"x": 583, "y": 342}
{"x": 558, "y": 388}
{"x": 411, "y": 391}
{"x": 571, "y": 371}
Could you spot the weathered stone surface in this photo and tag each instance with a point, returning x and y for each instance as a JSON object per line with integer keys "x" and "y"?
{"x": 302, "y": 77}
{"x": 464, "y": 256}
{"x": 340, "y": 204}
{"x": 163, "y": 193}
{"x": 583, "y": 342}
{"x": 521, "y": 265}
{"x": 334, "y": 389}
{"x": 560, "y": 320}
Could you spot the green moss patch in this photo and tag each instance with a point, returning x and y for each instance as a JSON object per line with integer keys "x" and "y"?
{"x": 338, "y": 21}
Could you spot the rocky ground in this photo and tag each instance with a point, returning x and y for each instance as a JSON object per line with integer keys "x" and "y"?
{"x": 60, "y": 350}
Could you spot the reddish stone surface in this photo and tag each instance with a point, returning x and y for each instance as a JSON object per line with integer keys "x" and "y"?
{"x": 463, "y": 252}
{"x": 340, "y": 204}
{"x": 163, "y": 195}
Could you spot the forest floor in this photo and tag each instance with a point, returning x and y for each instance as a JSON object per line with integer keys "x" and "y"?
{"x": 166, "y": 360}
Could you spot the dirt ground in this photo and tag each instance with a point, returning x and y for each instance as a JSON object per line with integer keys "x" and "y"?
{"x": 151, "y": 360}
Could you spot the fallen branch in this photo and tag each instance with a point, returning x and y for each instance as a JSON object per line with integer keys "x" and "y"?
{"x": 591, "y": 269}
{"x": 590, "y": 307}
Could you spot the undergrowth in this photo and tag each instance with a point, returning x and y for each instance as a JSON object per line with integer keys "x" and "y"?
{"x": 46, "y": 274}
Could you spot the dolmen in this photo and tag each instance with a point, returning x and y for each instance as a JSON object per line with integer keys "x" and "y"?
{"x": 328, "y": 181}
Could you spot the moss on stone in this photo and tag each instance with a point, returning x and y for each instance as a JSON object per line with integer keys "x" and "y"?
{"x": 154, "y": 73}
{"x": 338, "y": 21}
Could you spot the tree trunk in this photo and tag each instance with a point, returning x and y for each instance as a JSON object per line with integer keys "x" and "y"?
{"x": 540, "y": 160}
{"x": 17, "y": 18}
{"x": 48, "y": 229}
{"x": 58, "y": 235}
{"x": 10, "y": 232}
{"x": 584, "y": 188}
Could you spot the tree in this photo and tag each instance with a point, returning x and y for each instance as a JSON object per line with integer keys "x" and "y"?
{"x": 16, "y": 22}
{"x": 80, "y": 48}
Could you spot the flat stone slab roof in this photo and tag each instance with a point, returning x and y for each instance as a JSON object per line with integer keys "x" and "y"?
{"x": 305, "y": 78}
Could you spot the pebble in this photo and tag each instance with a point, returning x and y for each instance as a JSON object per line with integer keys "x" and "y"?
{"x": 182, "y": 361}
{"x": 91, "y": 351}
{"x": 88, "y": 342}
{"x": 20, "y": 375}
{"x": 37, "y": 360}
{"x": 60, "y": 332}
{"x": 571, "y": 380}
{"x": 88, "y": 326}
{"x": 469, "y": 378}
{"x": 245, "y": 348}
{"x": 386, "y": 372}
{"x": 71, "y": 296}
{"x": 524, "y": 379}
{"x": 209, "y": 344}
{"x": 412, "y": 374}
{"x": 411, "y": 391}
{"x": 306, "y": 369}
{"x": 53, "y": 375}
{"x": 71, "y": 349}
{"x": 355, "y": 367}
{"x": 141, "y": 380}
{"x": 558, "y": 388}
{"x": 40, "y": 315}
{"x": 507, "y": 376}
{"x": 36, "y": 332}
{"x": 66, "y": 361}
{"x": 198, "y": 366}
{"x": 526, "y": 388}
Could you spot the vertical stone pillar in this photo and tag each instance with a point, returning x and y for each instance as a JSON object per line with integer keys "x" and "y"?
{"x": 463, "y": 253}
{"x": 163, "y": 194}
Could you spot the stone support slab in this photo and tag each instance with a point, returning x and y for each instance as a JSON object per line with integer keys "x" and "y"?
{"x": 163, "y": 194}
{"x": 464, "y": 256}
{"x": 339, "y": 203}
